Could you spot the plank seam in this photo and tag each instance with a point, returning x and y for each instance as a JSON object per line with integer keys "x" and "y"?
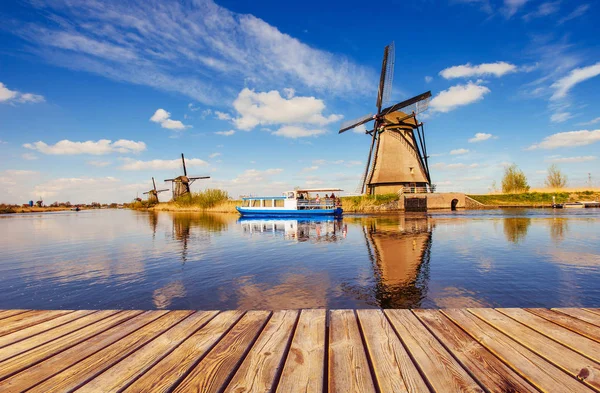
{"x": 13, "y": 315}
{"x": 561, "y": 368}
{"x": 284, "y": 358}
{"x": 592, "y": 311}
{"x": 553, "y": 339}
{"x": 141, "y": 374}
{"x": 326, "y": 354}
{"x": 410, "y": 355}
{"x": 103, "y": 370}
{"x": 69, "y": 347}
{"x": 37, "y": 323}
{"x": 564, "y": 326}
{"x": 559, "y": 311}
{"x": 366, "y": 351}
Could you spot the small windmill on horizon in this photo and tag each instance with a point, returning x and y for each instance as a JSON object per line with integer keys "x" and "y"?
{"x": 397, "y": 139}
{"x": 181, "y": 184}
{"x": 153, "y": 194}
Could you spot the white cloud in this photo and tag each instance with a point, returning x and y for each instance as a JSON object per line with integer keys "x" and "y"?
{"x": 568, "y": 160}
{"x": 20, "y": 172}
{"x": 103, "y": 146}
{"x": 459, "y": 151}
{"x": 568, "y": 139}
{"x": 29, "y": 156}
{"x": 480, "y": 137}
{"x": 362, "y": 129}
{"x": 498, "y": 69}
{"x": 196, "y": 48}
{"x": 297, "y": 132}
{"x": 223, "y": 115}
{"x": 428, "y": 79}
{"x": 254, "y": 176}
{"x": 213, "y": 155}
{"x": 310, "y": 168}
{"x": 511, "y": 7}
{"x": 576, "y": 13}
{"x": 443, "y": 166}
{"x": 560, "y": 117}
{"x": 99, "y": 164}
{"x": 456, "y": 96}
{"x": 163, "y": 118}
{"x": 544, "y": 9}
{"x": 225, "y": 133}
{"x": 591, "y": 122}
{"x": 266, "y": 108}
{"x": 8, "y": 96}
{"x": 576, "y": 76}
{"x": 139, "y": 165}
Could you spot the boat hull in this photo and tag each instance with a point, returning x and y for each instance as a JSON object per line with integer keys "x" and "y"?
{"x": 288, "y": 213}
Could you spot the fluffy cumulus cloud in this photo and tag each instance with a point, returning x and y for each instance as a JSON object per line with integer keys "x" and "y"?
{"x": 568, "y": 139}
{"x": 270, "y": 108}
{"x": 163, "y": 118}
{"x": 457, "y": 96}
{"x": 196, "y": 48}
{"x": 225, "y": 133}
{"x": 140, "y": 165}
{"x": 222, "y": 115}
{"x": 12, "y": 96}
{"x": 562, "y": 86}
{"x": 570, "y": 160}
{"x": 101, "y": 147}
{"x": 487, "y": 69}
{"x": 298, "y": 132}
{"x": 480, "y": 137}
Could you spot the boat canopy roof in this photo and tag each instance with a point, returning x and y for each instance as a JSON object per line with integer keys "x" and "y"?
{"x": 318, "y": 189}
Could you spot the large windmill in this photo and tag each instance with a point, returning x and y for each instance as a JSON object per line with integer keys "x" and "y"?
{"x": 397, "y": 138}
{"x": 153, "y": 194}
{"x": 181, "y": 184}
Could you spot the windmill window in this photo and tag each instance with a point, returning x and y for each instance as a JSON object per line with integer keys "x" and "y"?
{"x": 412, "y": 170}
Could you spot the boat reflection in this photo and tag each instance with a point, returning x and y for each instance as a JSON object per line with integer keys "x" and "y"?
{"x": 399, "y": 251}
{"x": 327, "y": 229}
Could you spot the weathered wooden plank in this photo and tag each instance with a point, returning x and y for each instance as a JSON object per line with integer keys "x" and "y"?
{"x": 304, "y": 367}
{"x": 393, "y": 368}
{"x": 441, "y": 370}
{"x": 532, "y": 367}
{"x": 569, "y": 321}
{"x": 576, "y": 342}
{"x": 594, "y": 310}
{"x": 75, "y": 376}
{"x": 487, "y": 368}
{"x": 164, "y": 375}
{"x": 32, "y": 357}
{"x": 213, "y": 372}
{"x": 42, "y": 327}
{"x": 264, "y": 362}
{"x": 9, "y": 313}
{"x": 32, "y": 342}
{"x": 348, "y": 366}
{"x": 27, "y": 319}
{"x": 136, "y": 364}
{"x": 582, "y": 314}
{"x": 55, "y": 364}
{"x": 562, "y": 357}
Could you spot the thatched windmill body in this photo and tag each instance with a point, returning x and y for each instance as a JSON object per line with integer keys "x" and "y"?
{"x": 153, "y": 194}
{"x": 181, "y": 184}
{"x": 398, "y": 155}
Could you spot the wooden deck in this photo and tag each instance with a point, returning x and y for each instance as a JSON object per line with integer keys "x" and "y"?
{"x": 457, "y": 350}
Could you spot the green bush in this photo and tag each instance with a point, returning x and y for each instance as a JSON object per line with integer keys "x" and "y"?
{"x": 514, "y": 180}
{"x": 355, "y": 202}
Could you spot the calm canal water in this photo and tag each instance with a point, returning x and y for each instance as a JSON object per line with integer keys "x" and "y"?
{"x": 126, "y": 259}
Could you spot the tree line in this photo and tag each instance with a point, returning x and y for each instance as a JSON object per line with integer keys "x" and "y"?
{"x": 515, "y": 181}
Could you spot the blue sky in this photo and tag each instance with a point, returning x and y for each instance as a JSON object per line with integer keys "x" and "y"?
{"x": 96, "y": 97}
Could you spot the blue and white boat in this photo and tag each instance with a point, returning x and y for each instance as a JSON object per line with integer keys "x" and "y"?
{"x": 301, "y": 202}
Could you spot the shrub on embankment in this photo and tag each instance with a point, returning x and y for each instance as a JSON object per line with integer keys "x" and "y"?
{"x": 210, "y": 199}
{"x": 534, "y": 198}
{"x": 366, "y": 203}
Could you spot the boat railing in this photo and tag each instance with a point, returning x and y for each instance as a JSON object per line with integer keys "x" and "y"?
{"x": 417, "y": 190}
{"x": 314, "y": 204}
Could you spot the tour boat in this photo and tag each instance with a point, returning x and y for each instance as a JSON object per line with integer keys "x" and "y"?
{"x": 301, "y": 202}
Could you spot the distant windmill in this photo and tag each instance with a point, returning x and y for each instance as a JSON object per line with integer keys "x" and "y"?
{"x": 400, "y": 160}
{"x": 181, "y": 184}
{"x": 153, "y": 194}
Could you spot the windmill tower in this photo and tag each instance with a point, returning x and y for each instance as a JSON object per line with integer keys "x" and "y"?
{"x": 181, "y": 184}
{"x": 153, "y": 194}
{"x": 400, "y": 156}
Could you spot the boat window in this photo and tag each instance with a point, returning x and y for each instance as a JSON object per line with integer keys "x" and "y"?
{"x": 256, "y": 203}
{"x": 279, "y": 203}
{"x": 246, "y": 203}
{"x": 268, "y": 203}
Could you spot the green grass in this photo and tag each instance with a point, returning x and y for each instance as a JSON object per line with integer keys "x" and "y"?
{"x": 533, "y": 198}
{"x": 364, "y": 202}
{"x": 206, "y": 199}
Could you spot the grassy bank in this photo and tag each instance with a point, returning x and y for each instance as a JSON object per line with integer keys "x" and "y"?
{"x": 8, "y": 209}
{"x": 370, "y": 203}
{"x": 210, "y": 200}
{"x": 535, "y": 198}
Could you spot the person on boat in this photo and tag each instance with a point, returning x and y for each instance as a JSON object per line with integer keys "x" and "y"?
{"x": 332, "y": 196}
{"x": 317, "y": 199}
{"x": 300, "y": 196}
